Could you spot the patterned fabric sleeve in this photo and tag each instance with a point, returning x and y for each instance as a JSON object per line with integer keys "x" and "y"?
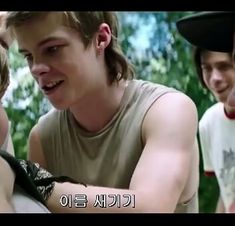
{"x": 32, "y": 178}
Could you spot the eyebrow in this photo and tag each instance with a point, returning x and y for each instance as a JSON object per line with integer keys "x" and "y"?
{"x": 41, "y": 43}
{"x": 218, "y": 62}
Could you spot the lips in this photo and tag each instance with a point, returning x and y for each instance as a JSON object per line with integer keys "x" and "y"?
{"x": 221, "y": 90}
{"x": 50, "y": 86}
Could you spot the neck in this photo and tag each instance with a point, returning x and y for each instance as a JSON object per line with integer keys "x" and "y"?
{"x": 96, "y": 110}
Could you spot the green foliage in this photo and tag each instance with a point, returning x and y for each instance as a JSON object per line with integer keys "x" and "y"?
{"x": 166, "y": 59}
{"x": 16, "y": 61}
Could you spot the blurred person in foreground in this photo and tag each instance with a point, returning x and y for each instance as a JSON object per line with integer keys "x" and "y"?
{"x": 20, "y": 201}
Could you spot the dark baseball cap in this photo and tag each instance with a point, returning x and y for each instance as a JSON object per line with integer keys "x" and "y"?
{"x": 209, "y": 30}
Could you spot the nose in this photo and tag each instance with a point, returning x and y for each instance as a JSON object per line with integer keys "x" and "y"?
{"x": 216, "y": 76}
{"x": 39, "y": 69}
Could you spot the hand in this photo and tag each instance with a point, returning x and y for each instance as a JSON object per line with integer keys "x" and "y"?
{"x": 231, "y": 98}
{"x": 232, "y": 208}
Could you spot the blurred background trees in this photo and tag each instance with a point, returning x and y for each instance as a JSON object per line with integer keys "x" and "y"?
{"x": 159, "y": 53}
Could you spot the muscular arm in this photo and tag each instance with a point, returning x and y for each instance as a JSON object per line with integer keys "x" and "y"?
{"x": 169, "y": 132}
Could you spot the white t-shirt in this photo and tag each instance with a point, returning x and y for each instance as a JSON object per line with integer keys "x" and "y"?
{"x": 217, "y": 138}
{"x": 22, "y": 202}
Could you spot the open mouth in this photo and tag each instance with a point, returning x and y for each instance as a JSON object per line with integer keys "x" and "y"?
{"x": 51, "y": 86}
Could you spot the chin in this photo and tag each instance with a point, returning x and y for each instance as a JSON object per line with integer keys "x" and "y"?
{"x": 59, "y": 106}
{"x": 221, "y": 98}
{"x": 58, "y": 103}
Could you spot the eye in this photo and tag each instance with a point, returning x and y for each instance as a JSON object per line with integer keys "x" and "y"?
{"x": 52, "y": 49}
{"x": 28, "y": 57}
{"x": 225, "y": 67}
{"x": 206, "y": 69}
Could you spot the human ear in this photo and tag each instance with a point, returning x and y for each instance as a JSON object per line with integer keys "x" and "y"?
{"x": 104, "y": 36}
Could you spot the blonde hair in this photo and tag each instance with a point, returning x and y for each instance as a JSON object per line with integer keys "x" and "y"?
{"x": 4, "y": 71}
{"x": 87, "y": 24}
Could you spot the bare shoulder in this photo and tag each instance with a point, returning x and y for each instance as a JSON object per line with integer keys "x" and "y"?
{"x": 36, "y": 153}
{"x": 173, "y": 112}
{"x": 34, "y": 133}
{"x": 175, "y": 101}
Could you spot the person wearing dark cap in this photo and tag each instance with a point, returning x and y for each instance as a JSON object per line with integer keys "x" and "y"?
{"x": 212, "y": 34}
{"x": 209, "y": 30}
{"x": 212, "y": 31}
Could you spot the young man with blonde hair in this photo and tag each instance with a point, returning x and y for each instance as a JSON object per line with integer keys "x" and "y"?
{"x": 110, "y": 131}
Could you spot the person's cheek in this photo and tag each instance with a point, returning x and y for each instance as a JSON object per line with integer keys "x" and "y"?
{"x": 231, "y": 97}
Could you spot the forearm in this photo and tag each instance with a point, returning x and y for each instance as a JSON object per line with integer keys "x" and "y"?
{"x": 68, "y": 197}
